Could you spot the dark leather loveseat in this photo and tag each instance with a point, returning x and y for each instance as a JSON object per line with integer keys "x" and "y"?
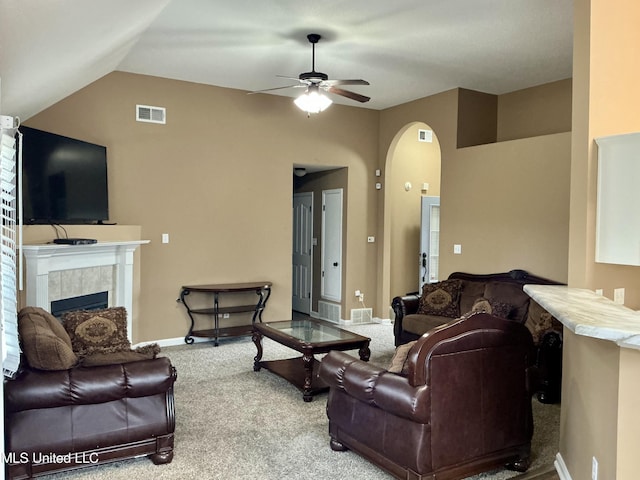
{"x": 88, "y": 415}
{"x": 504, "y": 292}
{"x": 463, "y": 407}
{"x": 60, "y": 414}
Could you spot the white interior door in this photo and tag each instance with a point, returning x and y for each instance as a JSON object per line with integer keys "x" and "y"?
{"x": 429, "y": 241}
{"x": 302, "y": 252}
{"x": 331, "y": 288}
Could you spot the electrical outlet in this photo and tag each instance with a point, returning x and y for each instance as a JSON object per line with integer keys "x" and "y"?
{"x": 599, "y": 291}
{"x": 594, "y": 469}
{"x": 618, "y": 295}
{"x": 225, "y": 315}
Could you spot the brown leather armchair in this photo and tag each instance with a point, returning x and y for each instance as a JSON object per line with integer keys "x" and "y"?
{"x": 463, "y": 407}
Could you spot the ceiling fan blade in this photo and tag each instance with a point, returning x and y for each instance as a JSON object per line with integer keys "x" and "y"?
{"x": 346, "y": 93}
{"x": 345, "y": 82}
{"x": 276, "y": 88}
{"x": 288, "y": 77}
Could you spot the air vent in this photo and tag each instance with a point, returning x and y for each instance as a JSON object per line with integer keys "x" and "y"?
{"x": 145, "y": 113}
{"x": 329, "y": 311}
{"x": 361, "y": 315}
{"x": 425, "y": 136}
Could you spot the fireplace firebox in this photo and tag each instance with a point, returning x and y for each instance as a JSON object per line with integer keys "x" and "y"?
{"x": 92, "y": 301}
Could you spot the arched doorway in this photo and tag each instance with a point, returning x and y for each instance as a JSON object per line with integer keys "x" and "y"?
{"x": 412, "y": 171}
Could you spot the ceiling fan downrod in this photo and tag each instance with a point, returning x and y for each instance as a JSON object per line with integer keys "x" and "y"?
{"x": 313, "y": 39}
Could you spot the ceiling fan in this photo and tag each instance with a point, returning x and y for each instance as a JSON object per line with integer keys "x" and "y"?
{"x": 315, "y": 81}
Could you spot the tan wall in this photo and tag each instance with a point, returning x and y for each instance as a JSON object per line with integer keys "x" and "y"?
{"x": 591, "y": 421}
{"x": 628, "y": 435}
{"x": 541, "y": 110}
{"x": 477, "y": 118}
{"x": 506, "y": 203}
{"x": 417, "y": 163}
{"x": 218, "y": 179}
{"x": 440, "y": 113}
{"x": 605, "y": 102}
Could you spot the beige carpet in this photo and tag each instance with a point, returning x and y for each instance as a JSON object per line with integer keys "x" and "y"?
{"x": 234, "y": 423}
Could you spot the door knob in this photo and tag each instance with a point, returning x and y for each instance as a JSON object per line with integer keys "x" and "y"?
{"x": 335, "y": 264}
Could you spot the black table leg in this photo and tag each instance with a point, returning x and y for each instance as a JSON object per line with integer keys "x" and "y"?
{"x": 257, "y": 339}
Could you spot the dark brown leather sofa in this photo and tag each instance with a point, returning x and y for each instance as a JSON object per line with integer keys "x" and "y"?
{"x": 463, "y": 407}
{"x": 67, "y": 419}
{"x": 505, "y": 288}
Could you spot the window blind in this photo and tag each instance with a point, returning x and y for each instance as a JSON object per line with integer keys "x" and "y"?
{"x": 9, "y": 267}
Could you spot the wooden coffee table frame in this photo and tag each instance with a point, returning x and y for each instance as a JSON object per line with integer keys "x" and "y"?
{"x": 302, "y": 372}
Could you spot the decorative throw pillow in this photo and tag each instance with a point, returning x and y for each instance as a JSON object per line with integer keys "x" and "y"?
{"x": 400, "y": 358}
{"x": 44, "y": 341}
{"x": 97, "y": 331}
{"x": 499, "y": 309}
{"x": 539, "y": 322}
{"x": 440, "y": 299}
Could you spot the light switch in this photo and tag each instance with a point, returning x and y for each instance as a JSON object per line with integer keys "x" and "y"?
{"x": 457, "y": 249}
{"x": 165, "y": 238}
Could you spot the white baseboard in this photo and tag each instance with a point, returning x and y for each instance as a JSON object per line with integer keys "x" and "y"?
{"x": 561, "y": 468}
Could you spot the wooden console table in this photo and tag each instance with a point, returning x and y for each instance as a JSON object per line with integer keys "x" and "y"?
{"x": 262, "y": 290}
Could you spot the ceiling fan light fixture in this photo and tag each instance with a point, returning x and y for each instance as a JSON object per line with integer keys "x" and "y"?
{"x": 312, "y": 101}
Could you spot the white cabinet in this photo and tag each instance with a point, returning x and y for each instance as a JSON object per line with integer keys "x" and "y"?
{"x": 618, "y": 204}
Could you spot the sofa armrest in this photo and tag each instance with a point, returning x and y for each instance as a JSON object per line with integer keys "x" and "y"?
{"x": 403, "y": 306}
{"x": 375, "y": 386}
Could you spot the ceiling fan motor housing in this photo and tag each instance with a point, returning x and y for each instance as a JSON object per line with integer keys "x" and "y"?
{"x": 319, "y": 76}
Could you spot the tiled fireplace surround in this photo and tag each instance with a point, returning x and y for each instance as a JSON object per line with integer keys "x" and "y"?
{"x": 75, "y": 282}
{"x": 56, "y": 272}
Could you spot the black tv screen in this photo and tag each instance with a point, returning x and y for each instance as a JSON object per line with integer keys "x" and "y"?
{"x": 64, "y": 180}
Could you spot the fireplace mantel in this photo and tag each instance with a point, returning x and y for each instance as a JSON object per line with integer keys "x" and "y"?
{"x": 42, "y": 260}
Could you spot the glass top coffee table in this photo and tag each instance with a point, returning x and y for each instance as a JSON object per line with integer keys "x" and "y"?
{"x": 308, "y": 337}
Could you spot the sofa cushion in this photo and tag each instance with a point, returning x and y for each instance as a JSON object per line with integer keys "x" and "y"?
{"x": 470, "y": 291}
{"x": 399, "y": 360}
{"x": 511, "y": 294}
{"x": 97, "y": 331}
{"x": 44, "y": 341}
{"x": 420, "y": 324}
{"x": 441, "y": 298}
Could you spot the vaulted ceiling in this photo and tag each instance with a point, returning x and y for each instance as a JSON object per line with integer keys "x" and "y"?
{"x": 406, "y": 49}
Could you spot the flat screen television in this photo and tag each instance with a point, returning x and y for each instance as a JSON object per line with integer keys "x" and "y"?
{"x": 64, "y": 180}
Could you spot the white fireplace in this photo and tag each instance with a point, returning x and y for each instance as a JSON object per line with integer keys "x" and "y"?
{"x": 55, "y": 272}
